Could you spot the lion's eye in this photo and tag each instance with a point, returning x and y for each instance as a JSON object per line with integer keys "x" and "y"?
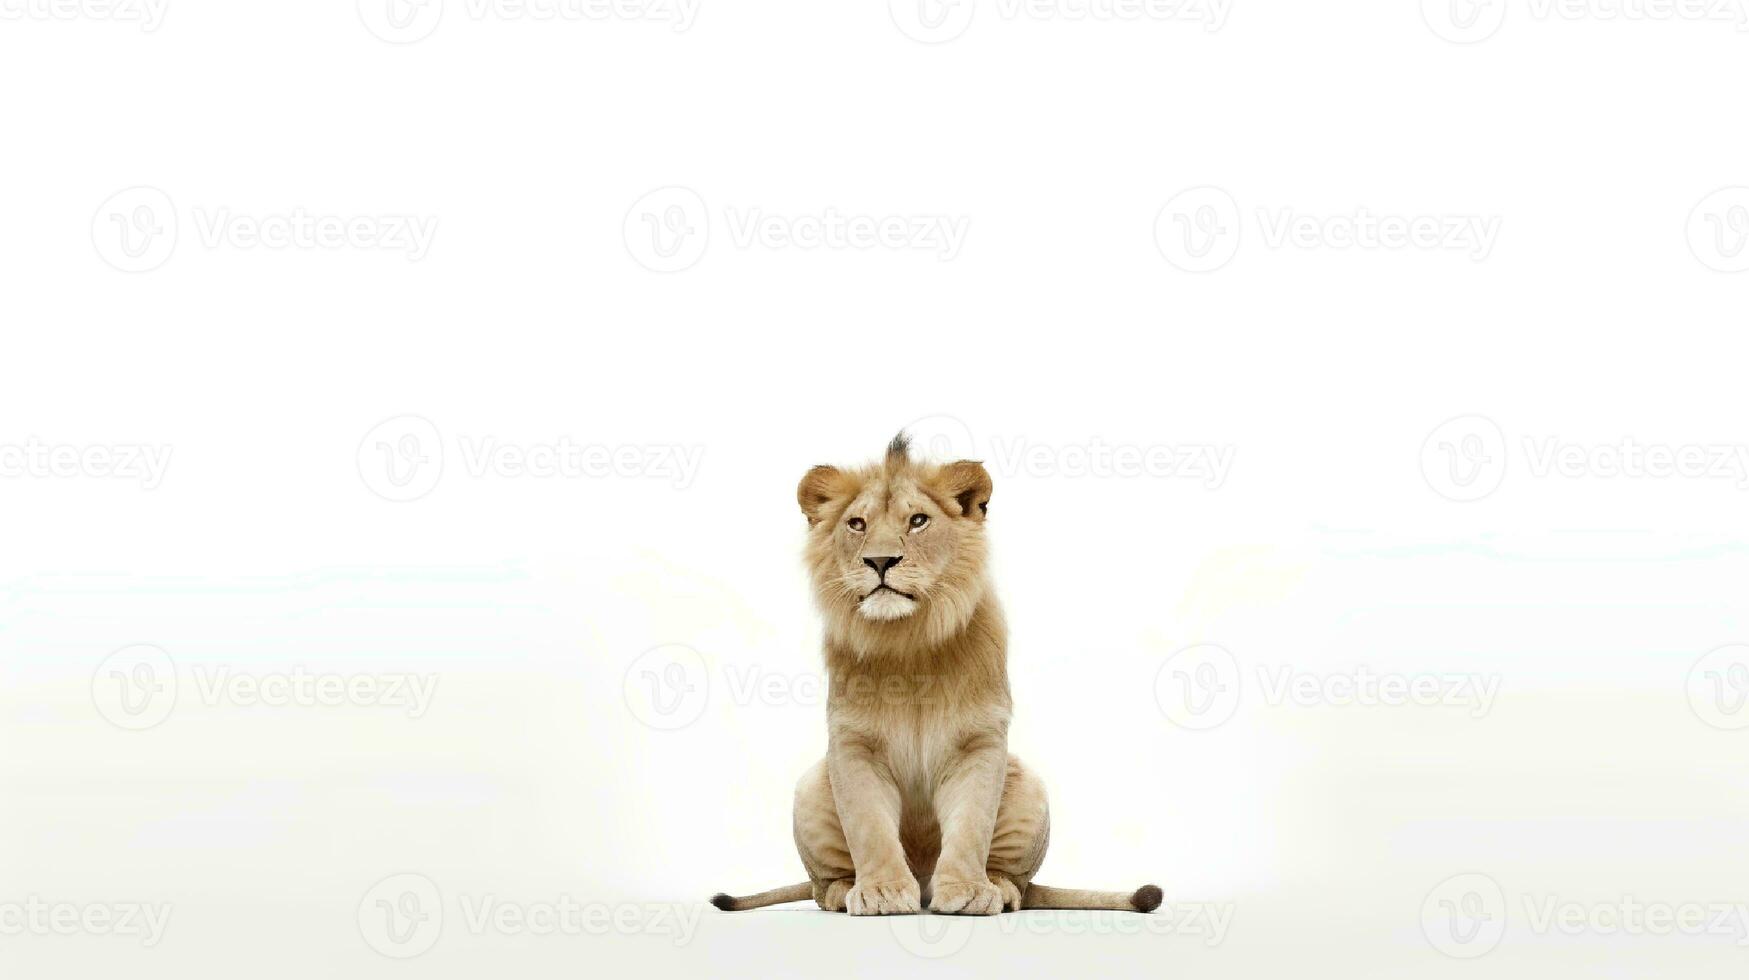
{"x": 918, "y": 520}
{"x": 856, "y": 524}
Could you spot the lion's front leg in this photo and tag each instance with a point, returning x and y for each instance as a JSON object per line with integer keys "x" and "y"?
{"x": 867, "y": 801}
{"x": 966, "y": 800}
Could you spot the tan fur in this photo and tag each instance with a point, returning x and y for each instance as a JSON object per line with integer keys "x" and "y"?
{"x": 918, "y": 803}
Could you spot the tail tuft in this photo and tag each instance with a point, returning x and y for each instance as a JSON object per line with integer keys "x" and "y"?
{"x": 776, "y": 896}
{"x": 1146, "y": 899}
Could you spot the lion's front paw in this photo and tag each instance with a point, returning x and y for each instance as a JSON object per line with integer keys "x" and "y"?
{"x": 883, "y": 898}
{"x": 965, "y": 897}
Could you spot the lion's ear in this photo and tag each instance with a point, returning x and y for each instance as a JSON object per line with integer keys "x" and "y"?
{"x": 819, "y": 487}
{"x": 968, "y": 483}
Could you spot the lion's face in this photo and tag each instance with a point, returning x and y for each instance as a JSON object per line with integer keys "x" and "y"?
{"x": 896, "y": 550}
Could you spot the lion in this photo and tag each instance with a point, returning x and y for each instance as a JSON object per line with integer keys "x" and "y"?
{"x": 918, "y": 803}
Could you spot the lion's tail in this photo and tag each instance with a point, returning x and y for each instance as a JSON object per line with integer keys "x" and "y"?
{"x": 788, "y": 893}
{"x": 1144, "y": 899}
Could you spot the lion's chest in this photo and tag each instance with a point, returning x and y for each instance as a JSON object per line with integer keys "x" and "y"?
{"x": 915, "y": 740}
{"x": 917, "y": 722}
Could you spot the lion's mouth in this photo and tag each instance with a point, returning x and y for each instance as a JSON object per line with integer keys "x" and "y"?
{"x": 884, "y": 587}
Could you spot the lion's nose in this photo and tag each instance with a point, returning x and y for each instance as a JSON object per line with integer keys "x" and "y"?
{"x": 880, "y": 565}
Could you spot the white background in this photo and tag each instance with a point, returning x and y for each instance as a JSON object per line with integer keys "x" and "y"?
{"x": 1351, "y": 533}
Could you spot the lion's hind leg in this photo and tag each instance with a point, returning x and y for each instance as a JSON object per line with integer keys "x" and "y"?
{"x": 820, "y": 840}
{"x": 1023, "y": 830}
